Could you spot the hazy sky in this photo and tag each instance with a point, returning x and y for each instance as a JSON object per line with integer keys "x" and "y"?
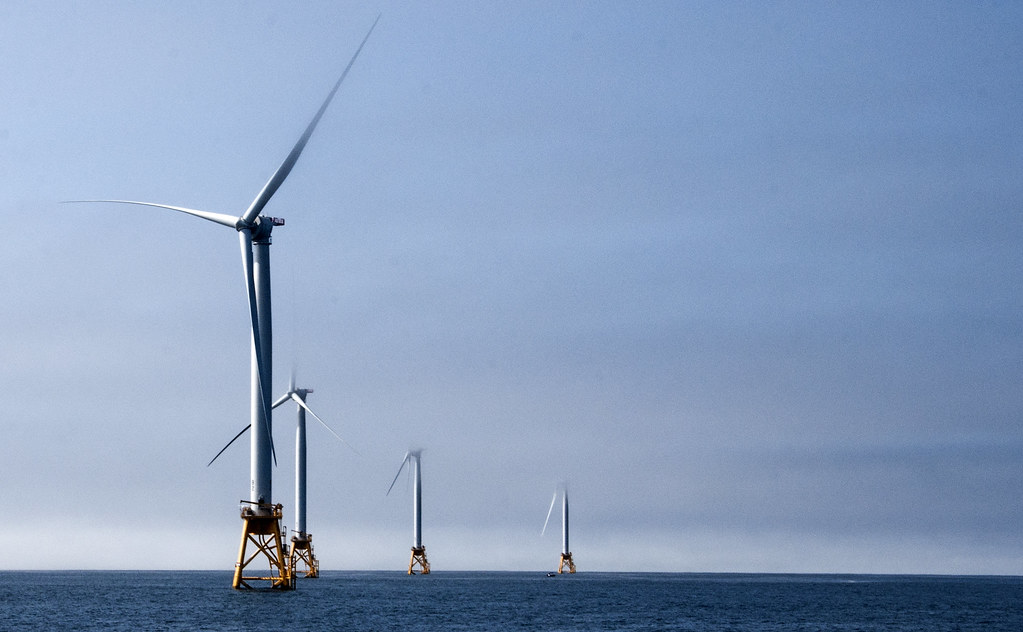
{"x": 745, "y": 275}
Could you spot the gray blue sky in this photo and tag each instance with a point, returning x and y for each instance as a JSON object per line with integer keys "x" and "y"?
{"x": 745, "y": 275}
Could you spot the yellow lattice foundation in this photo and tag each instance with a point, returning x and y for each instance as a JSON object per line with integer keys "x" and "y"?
{"x": 261, "y": 527}
{"x": 301, "y": 559}
{"x": 566, "y": 559}
{"x": 418, "y": 559}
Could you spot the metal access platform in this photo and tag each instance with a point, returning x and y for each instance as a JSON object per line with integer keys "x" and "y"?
{"x": 419, "y": 560}
{"x": 261, "y": 528}
{"x": 301, "y": 558}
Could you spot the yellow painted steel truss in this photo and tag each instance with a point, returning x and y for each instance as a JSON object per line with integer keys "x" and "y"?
{"x": 261, "y": 527}
{"x": 418, "y": 559}
{"x": 566, "y": 558}
{"x": 301, "y": 559}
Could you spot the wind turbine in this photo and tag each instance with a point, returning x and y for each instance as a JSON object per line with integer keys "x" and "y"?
{"x": 412, "y": 458}
{"x": 261, "y": 518}
{"x": 566, "y": 553}
{"x": 302, "y": 541}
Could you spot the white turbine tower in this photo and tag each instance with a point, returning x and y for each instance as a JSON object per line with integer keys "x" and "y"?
{"x": 261, "y": 518}
{"x": 302, "y": 542}
{"x": 566, "y": 553}
{"x": 413, "y": 459}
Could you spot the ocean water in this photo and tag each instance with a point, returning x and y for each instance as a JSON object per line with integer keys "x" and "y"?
{"x": 177, "y": 600}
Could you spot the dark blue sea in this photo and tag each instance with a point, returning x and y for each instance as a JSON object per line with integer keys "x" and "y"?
{"x": 181, "y": 600}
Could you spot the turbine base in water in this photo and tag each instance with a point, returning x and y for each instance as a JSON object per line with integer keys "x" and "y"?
{"x": 566, "y": 560}
{"x": 261, "y": 526}
{"x": 418, "y": 559}
{"x": 301, "y": 559}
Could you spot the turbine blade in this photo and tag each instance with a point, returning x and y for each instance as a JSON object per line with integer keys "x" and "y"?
{"x": 277, "y": 179}
{"x": 403, "y": 462}
{"x": 305, "y": 406}
{"x": 282, "y": 399}
{"x": 219, "y": 218}
{"x": 228, "y": 445}
{"x": 245, "y": 239}
{"x": 408, "y": 472}
{"x": 553, "y": 498}
{"x": 291, "y": 379}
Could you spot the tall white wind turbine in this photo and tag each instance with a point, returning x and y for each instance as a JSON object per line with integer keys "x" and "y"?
{"x": 566, "y": 552}
{"x": 302, "y": 541}
{"x": 261, "y": 518}
{"x": 418, "y": 558}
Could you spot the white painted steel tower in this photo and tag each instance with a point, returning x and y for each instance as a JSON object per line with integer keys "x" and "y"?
{"x": 565, "y": 551}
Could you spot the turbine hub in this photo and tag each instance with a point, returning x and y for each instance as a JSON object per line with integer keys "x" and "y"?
{"x": 261, "y": 228}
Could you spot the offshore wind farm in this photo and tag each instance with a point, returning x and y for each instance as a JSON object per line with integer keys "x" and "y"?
{"x": 264, "y": 538}
{"x": 745, "y": 275}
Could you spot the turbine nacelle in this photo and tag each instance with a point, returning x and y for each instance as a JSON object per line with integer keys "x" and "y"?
{"x": 260, "y": 228}
{"x": 259, "y": 225}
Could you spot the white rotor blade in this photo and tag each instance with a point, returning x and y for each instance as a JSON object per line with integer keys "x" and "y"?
{"x": 553, "y": 499}
{"x": 282, "y": 399}
{"x": 298, "y": 400}
{"x": 245, "y": 239}
{"x": 404, "y": 461}
{"x": 219, "y": 218}
{"x": 277, "y": 179}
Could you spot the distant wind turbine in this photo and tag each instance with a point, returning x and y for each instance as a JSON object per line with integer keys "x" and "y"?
{"x": 418, "y": 558}
{"x": 566, "y": 552}
{"x": 302, "y": 541}
{"x": 261, "y": 518}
